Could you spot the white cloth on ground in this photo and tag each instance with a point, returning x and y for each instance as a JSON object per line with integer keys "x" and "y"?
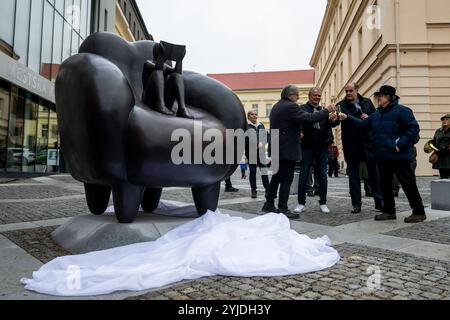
{"x": 214, "y": 244}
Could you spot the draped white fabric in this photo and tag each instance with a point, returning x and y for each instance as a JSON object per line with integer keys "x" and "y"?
{"x": 214, "y": 244}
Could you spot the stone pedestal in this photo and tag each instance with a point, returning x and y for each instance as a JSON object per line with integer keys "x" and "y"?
{"x": 87, "y": 232}
{"x": 440, "y": 195}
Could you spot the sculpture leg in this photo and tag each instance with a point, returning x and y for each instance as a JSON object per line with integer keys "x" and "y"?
{"x": 150, "y": 199}
{"x": 97, "y": 198}
{"x": 127, "y": 198}
{"x": 206, "y": 198}
{"x": 157, "y": 85}
{"x": 175, "y": 90}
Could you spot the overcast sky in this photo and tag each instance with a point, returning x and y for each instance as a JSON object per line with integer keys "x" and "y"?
{"x": 224, "y": 36}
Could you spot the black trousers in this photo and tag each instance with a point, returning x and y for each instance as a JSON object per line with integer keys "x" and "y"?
{"x": 405, "y": 174}
{"x": 444, "y": 173}
{"x": 228, "y": 184}
{"x": 396, "y": 183}
{"x": 333, "y": 168}
{"x": 264, "y": 178}
{"x": 283, "y": 178}
{"x": 355, "y": 183}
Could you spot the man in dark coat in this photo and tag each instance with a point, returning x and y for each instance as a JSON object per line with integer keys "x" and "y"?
{"x": 394, "y": 131}
{"x": 259, "y": 148}
{"x": 287, "y": 117}
{"x": 357, "y": 146}
{"x": 441, "y": 141}
{"x": 315, "y": 143}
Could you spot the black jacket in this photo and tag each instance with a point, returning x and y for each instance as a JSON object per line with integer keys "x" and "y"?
{"x": 356, "y": 142}
{"x": 317, "y": 138}
{"x": 287, "y": 117}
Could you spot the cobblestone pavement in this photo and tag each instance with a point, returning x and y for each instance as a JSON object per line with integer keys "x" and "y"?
{"x": 402, "y": 275}
{"x": 37, "y": 242}
{"x": 46, "y": 210}
{"x": 433, "y": 231}
{"x": 34, "y": 192}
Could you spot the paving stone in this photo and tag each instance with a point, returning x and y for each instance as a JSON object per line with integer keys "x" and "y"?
{"x": 433, "y": 231}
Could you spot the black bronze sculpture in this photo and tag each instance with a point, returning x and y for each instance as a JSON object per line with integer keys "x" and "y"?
{"x": 114, "y": 142}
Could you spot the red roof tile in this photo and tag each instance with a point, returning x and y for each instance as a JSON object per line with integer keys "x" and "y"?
{"x": 264, "y": 80}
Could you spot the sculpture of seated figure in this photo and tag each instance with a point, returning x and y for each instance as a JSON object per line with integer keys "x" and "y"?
{"x": 164, "y": 85}
{"x": 116, "y": 143}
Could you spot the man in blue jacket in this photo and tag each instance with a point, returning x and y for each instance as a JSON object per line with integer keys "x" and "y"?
{"x": 394, "y": 130}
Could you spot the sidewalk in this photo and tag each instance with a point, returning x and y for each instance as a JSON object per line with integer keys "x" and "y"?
{"x": 412, "y": 260}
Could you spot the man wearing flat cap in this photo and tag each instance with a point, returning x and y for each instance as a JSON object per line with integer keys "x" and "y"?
{"x": 394, "y": 130}
{"x": 441, "y": 141}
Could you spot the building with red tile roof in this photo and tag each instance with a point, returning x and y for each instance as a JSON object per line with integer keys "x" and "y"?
{"x": 261, "y": 90}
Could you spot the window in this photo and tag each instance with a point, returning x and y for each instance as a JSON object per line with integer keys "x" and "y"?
{"x": 331, "y": 93}
{"x": 329, "y": 45}
{"x": 255, "y": 108}
{"x": 7, "y": 10}
{"x": 75, "y": 42}
{"x": 334, "y": 30}
{"x": 47, "y": 42}
{"x": 57, "y": 42}
{"x": 269, "y": 107}
{"x": 83, "y": 17}
{"x": 34, "y": 54}
{"x": 67, "y": 42}
{"x": 335, "y": 84}
{"x": 360, "y": 44}
{"x": 129, "y": 17}
{"x": 68, "y": 9}
{"x": 4, "y": 113}
{"x": 59, "y": 5}
{"x": 54, "y": 131}
{"x": 350, "y": 67}
{"x": 16, "y": 127}
{"x": 44, "y": 131}
{"x": 21, "y": 32}
{"x": 105, "y": 28}
{"x": 134, "y": 29}
{"x": 30, "y": 128}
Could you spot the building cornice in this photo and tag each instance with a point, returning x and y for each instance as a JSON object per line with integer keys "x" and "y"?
{"x": 122, "y": 24}
{"x": 148, "y": 36}
{"x": 321, "y": 38}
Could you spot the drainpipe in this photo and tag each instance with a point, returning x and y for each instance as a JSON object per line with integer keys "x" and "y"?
{"x": 397, "y": 42}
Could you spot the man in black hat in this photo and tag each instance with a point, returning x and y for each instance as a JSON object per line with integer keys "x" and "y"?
{"x": 394, "y": 130}
{"x": 357, "y": 146}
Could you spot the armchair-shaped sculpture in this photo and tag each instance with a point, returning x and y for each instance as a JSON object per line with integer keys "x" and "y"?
{"x": 114, "y": 141}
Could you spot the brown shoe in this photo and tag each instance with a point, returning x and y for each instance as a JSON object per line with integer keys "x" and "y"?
{"x": 385, "y": 216}
{"x": 415, "y": 218}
